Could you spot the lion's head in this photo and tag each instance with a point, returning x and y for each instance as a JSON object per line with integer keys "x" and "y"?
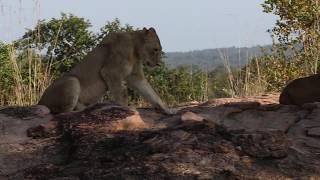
{"x": 152, "y": 48}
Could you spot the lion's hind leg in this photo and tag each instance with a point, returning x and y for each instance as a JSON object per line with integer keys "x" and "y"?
{"x": 62, "y": 95}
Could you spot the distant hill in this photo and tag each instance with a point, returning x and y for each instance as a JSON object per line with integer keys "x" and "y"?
{"x": 209, "y": 59}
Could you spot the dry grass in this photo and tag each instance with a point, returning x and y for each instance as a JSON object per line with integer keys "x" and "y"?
{"x": 29, "y": 87}
{"x": 30, "y": 75}
{"x": 242, "y": 82}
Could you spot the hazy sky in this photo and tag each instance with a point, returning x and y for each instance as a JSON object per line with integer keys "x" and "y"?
{"x": 182, "y": 25}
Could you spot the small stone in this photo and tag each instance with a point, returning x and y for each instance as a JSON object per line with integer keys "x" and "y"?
{"x": 130, "y": 123}
{"x": 190, "y": 116}
{"x": 247, "y": 161}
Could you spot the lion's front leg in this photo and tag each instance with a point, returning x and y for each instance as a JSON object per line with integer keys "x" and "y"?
{"x": 116, "y": 86}
{"x": 140, "y": 84}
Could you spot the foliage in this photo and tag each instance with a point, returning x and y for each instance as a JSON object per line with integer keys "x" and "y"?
{"x": 298, "y": 25}
{"x": 62, "y": 42}
{"x": 298, "y": 19}
{"x": 113, "y": 26}
{"x": 217, "y": 86}
{"x": 179, "y": 85}
{"x": 21, "y": 82}
{"x": 271, "y": 74}
{"x": 6, "y": 71}
{"x": 295, "y": 52}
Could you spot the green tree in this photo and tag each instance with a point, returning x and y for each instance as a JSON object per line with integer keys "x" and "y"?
{"x": 298, "y": 24}
{"x": 296, "y": 50}
{"x": 298, "y": 19}
{"x": 159, "y": 78}
{"x": 217, "y": 86}
{"x": 62, "y": 42}
{"x": 6, "y": 74}
{"x": 113, "y": 26}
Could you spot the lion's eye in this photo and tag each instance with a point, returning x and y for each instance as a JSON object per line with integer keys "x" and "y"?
{"x": 155, "y": 50}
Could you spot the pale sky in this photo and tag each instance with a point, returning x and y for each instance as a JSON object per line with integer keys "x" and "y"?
{"x": 182, "y": 25}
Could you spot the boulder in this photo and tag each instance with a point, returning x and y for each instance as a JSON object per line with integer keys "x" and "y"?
{"x": 249, "y": 138}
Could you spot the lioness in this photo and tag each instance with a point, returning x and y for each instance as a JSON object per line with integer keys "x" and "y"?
{"x": 301, "y": 91}
{"x": 117, "y": 60}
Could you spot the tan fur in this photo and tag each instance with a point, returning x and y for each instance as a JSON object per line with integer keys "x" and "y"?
{"x": 116, "y": 62}
{"x": 301, "y": 91}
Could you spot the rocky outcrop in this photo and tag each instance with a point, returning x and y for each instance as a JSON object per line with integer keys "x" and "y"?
{"x": 247, "y": 138}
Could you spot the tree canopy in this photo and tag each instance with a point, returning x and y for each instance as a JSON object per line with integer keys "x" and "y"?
{"x": 299, "y": 20}
{"x": 64, "y": 41}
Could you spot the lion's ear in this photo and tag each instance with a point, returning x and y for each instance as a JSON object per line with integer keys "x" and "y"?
{"x": 152, "y": 29}
{"x": 145, "y": 29}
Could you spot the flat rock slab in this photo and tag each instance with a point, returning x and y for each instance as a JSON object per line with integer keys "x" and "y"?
{"x": 219, "y": 139}
{"x": 14, "y": 122}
